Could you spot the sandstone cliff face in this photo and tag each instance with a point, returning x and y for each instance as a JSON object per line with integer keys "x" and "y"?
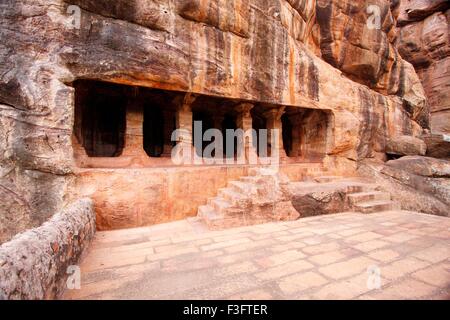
{"x": 314, "y": 54}
{"x": 424, "y": 40}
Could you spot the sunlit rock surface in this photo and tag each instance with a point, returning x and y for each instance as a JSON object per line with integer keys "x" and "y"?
{"x": 311, "y": 54}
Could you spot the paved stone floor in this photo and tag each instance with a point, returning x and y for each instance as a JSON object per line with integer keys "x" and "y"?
{"x": 328, "y": 257}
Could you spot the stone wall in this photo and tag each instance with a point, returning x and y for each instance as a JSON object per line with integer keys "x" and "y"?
{"x": 125, "y": 198}
{"x": 33, "y": 265}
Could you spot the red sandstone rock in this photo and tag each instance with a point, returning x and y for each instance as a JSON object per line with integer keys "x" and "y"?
{"x": 406, "y": 146}
{"x": 299, "y": 54}
{"x": 438, "y": 145}
{"x": 423, "y": 166}
{"x": 424, "y": 41}
{"x": 416, "y": 10}
{"x": 415, "y": 192}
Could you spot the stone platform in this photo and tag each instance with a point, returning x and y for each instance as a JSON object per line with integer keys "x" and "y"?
{"x": 335, "y": 256}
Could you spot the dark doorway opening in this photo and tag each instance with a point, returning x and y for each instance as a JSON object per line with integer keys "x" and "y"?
{"x": 153, "y": 129}
{"x": 229, "y": 147}
{"x": 259, "y": 123}
{"x": 287, "y": 134}
{"x": 100, "y": 118}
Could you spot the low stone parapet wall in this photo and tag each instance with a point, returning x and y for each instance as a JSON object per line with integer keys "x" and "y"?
{"x": 36, "y": 264}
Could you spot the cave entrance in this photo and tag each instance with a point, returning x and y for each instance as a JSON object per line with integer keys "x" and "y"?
{"x": 230, "y": 149}
{"x": 306, "y": 133}
{"x": 118, "y": 121}
{"x": 136, "y": 125}
{"x": 153, "y": 129}
{"x": 100, "y": 118}
{"x": 219, "y": 114}
{"x": 287, "y": 134}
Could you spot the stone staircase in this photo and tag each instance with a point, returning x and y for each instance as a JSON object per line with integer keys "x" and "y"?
{"x": 265, "y": 196}
{"x": 363, "y": 196}
{"x": 257, "y": 198}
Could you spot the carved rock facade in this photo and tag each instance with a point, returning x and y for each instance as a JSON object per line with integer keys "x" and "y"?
{"x": 339, "y": 81}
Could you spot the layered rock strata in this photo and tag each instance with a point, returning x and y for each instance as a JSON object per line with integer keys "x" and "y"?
{"x": 424, "y": 40}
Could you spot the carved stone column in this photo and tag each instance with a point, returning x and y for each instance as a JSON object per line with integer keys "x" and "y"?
{"x": 134, "y": 134}
{"x": 244, "y": 122}
{"x": 273, "y": 117}
{"x": 183, "y": 121}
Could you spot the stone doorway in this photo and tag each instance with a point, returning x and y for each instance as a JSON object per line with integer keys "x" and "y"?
{"x": 122, "y": 146}
{"x": 307, "y": 134}
{"x": 100, "y": 118}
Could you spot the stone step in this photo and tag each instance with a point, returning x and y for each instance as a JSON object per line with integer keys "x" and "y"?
{"x": 236, "y": 199}
{"x": 239, "y": 186}
{"x": 325, "y": 179}
{"x": 360, "y": 188}
{"x": 229, "y": 194}
{"x": 216, "y": 221}
{"x": 205, "y": 212}
{"x": 249, "y": 179}
{"x": 314, "y": 173}
{"x": 222, "y": 223}
{"x": 355, "y": 198}
{"x": 377, "y": 206}
{"x": 219, "y": 205}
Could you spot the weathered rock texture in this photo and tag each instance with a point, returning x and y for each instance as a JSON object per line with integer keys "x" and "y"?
{"x": 312, "y": 54}
{"x": 337, "y": 195}
{"x": 314, "y": 199}
{"x": 34, "y": 264}
{"x": 424, "y": 40}
{"x": 438, "y": 145}
{"x": 406, "y": 146}
{"x": 418, "y": 183}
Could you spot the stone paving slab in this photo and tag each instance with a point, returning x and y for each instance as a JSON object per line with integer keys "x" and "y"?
{"x": 387, "y": 255}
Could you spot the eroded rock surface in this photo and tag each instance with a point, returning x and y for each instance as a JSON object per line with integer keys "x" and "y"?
{"x": 312, "y": 54}
{"x": 406, "y": 146}
{"x": 438, "y": 145}
{"x": 424, "y": 40}
{"x": 35, "y": 264}
{"x": 318, "y": 200}
{"x": 422, "y": 166}
{"x": 418, "y": 183}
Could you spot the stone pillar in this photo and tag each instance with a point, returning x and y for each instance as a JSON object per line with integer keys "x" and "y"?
{"x": 184, "y": 122}
{"x": 168, "y": 115}
{"x": 244, "y": 122}
{"x": 273, "y": 117}
{"x": 134, "y": 134}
